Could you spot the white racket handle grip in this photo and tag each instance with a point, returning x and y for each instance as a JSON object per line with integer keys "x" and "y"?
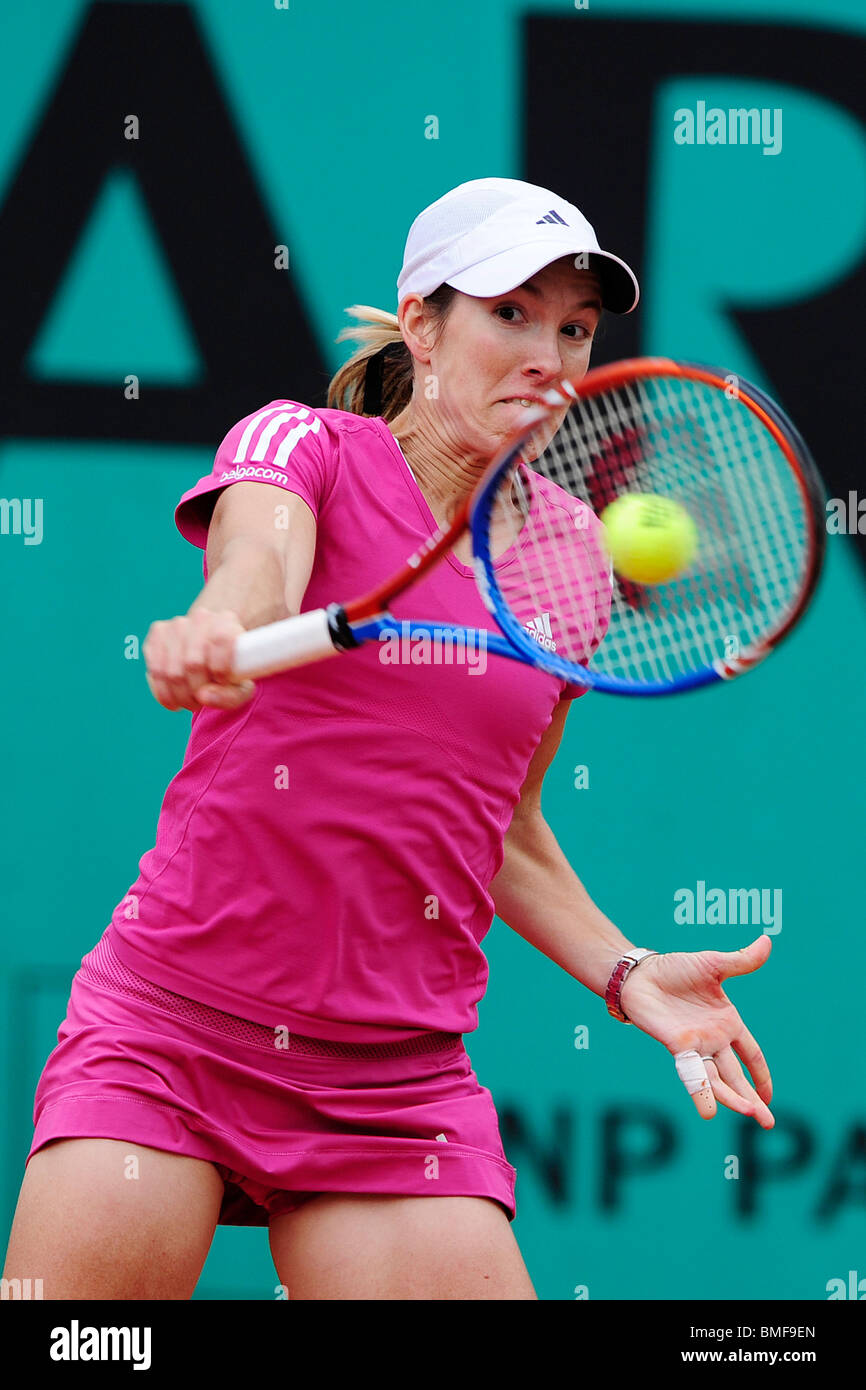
{"x": 278, "y": 646}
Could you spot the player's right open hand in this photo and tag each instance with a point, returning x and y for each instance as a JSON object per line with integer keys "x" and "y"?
{"x": 189, "y": 661}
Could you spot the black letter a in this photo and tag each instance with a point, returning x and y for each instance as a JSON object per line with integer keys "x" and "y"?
{"x": 251, "y": 331}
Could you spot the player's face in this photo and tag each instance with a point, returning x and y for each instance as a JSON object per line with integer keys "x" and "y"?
{"x": 494, "y": 356}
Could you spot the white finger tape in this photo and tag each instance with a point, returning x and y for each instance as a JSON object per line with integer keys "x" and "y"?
{"x": 691, "y": 1071}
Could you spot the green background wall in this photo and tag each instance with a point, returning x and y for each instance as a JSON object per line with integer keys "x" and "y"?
{"x": 757, "y": 784}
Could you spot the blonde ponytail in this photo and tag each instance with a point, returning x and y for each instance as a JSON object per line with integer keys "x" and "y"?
{"x": 376, "y": 330}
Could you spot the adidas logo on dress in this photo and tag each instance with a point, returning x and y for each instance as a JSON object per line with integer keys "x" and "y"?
{"x": 539, "y": 628}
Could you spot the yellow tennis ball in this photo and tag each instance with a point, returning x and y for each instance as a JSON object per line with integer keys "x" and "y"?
{"x": 651, "y": 539}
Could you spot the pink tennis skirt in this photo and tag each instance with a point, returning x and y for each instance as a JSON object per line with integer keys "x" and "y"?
{"x": 136, "y": 1062}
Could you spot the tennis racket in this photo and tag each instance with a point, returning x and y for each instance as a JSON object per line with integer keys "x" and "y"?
{"x": 706, "y": 439}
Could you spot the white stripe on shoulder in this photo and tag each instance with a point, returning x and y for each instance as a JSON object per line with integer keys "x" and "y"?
{"x": 268, "y": 431}
{"x": 250, "y": 430}
{"x": 289, "y": 441}
{"x": 281, "y": 413}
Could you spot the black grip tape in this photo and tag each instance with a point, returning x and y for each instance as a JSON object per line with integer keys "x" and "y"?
{"x": 341, "y": 633}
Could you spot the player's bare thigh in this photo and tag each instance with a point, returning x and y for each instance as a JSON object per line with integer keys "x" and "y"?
{"x": 367, "y": 1246}
{"x": 103, "y": 1218}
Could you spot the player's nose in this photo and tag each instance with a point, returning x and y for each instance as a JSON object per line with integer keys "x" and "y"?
{"x": 543, "y": 363}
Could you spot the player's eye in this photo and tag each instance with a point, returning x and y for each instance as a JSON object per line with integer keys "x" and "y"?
{"x": 578, "y": 331}
{"x": 508, "y": 312}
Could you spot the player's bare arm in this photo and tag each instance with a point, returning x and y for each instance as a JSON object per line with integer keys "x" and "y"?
{"x": 677, "y": 998}
{"x": 538, "y": 894}
{"x": 260, "y": 548}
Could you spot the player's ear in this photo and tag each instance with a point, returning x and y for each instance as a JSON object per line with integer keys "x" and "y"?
{"x": 417, "y": 326}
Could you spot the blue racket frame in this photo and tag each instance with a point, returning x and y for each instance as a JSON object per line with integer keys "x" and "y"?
{"x": 520, "y": 640}
{"x": 516, "y": 644}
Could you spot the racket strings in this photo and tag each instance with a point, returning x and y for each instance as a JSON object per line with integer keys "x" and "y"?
{"x": 681, "y": 439}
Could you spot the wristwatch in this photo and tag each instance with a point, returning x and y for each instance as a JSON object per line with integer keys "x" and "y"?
{"x": 621, "y": 970}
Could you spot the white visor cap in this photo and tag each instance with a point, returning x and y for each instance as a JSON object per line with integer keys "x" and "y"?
{"x": 487, "y": 236}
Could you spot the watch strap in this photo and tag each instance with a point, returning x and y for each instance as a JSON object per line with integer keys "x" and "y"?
{"x": 619, "y": 974}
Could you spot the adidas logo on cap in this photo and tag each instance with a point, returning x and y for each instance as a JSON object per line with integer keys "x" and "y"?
{"x": 551, "y": 216}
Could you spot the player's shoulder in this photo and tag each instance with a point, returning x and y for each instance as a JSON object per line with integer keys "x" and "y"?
{"x": 276, "y": 420}
{"x": 338, "y": 421}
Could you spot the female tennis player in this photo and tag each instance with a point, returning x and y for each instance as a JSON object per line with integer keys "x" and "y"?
{"x": 271, "y": 1029}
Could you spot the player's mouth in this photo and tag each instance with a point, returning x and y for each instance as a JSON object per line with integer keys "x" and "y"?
{"x": 527, "y": 401}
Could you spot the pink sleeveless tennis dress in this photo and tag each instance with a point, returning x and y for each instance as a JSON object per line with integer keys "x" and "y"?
{"x": 285, "y": 987}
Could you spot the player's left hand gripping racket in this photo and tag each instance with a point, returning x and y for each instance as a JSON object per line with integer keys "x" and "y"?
{"x": 711, "y": 442}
